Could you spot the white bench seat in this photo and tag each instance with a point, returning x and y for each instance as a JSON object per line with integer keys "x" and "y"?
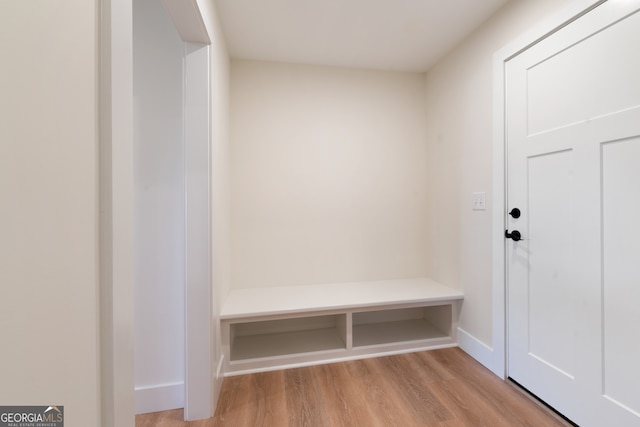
{"x": 279, "y": 327}
{"x": 255, "y": 302}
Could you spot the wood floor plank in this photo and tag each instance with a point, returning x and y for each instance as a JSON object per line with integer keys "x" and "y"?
{"x": 272, "y": 399}
{"x": 172, "y": 418}
{"x": 515, "y": 409}
{"x": 469, "y": 407}
{"x": 431, "y": 369}
{"x": 382, "y": 405}
{"x": 438, "y": 388}
{"x": 305, "y": 401}
{"x": 346, "y": 403}
{"x": 160, "y": 419}
{"x": 423, "y": 405}
{"x": 233, "y": 404}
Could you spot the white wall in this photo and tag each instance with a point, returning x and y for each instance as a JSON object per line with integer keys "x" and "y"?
{"x": 49, "y": 207}
{"x": 329, "y": 174}
{"x": 459, "y": 95}
{"x": 159, "y": 206}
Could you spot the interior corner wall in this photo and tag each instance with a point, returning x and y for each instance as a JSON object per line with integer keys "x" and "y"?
{"x": 159, "y": 233}
{"x": 328, "y": 174}
{"x": 459, "y": 94}
{"x": 49, "y": 207}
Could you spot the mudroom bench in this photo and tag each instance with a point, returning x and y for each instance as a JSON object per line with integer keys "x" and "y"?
{"x": 281, "y": 327}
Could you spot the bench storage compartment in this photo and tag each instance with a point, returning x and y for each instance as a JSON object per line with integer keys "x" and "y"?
{"x": 272, "y": 338}
{"x": 431, "y": 323}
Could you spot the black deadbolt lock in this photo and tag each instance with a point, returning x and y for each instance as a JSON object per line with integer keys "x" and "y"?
{"x": 515, "y": 212}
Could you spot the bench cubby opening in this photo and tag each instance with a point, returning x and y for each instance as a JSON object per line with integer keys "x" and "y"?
{"x": 283, "y": 337}
{"x": 381, "y": 327}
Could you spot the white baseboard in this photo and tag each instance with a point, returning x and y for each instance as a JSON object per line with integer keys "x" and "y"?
{"x": 159, "y": 398}
{"x": 217, "y": 382}
{"x": 170, "y": 396}
{"x": 219, "y": 370}
{"x": 481, "y": 352}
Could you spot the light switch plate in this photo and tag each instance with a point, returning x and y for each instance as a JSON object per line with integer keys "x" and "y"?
{"x": 478, "y": 202}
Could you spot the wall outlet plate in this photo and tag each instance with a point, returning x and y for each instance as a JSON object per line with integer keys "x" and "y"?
{"x": 478, "y": 201}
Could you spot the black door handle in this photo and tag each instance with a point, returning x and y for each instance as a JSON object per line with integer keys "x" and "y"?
{"x": 514, "y": 235}
{"x": 515, "y": 212}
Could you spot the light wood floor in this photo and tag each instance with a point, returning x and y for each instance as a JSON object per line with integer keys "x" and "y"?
{"x": 443, "y": 388}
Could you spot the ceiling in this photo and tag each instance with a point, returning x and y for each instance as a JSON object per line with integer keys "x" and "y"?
{"x": 408, "y": 35}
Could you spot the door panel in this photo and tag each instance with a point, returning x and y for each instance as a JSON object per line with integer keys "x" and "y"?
{"x": 550, "y": 284}
{"x": 573, "y": 141}
{"x": 574, "y": 77}
{"x": 621, "y": 278}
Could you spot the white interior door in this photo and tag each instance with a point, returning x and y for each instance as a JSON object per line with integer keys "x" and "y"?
{"x": 573, "y": 138}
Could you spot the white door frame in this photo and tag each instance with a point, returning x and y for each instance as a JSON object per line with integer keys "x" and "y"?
{"x": 198, "y": 371}
{"x": 499, "y": 362}
{"x": 116, "y": 299}
{"x": 116, "y": 213}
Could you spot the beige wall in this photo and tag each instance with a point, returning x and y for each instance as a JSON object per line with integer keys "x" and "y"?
{"x": 459, "y": 96}
{"x": 48, "y": 207}
{"x": 329, "y": 174}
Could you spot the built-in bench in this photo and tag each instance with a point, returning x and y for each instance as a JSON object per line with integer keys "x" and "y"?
{"x": 280, "y": 327}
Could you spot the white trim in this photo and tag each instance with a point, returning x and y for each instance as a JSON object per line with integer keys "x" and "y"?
{"x": 200, "y": 384}
{"x": 217, "y": 381}
{"x": 198, "y": 400}
{"x": 572, "y": 12}
{"x": 479, "y": 351}
{"x": 304, "y": 364}
{"x": 498, "y": 222}
{"x": 159, "y": 398}
{"x": 116, "y": 214}
{"x": 187, "y": 18}
{"x": 219, "y": 370}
